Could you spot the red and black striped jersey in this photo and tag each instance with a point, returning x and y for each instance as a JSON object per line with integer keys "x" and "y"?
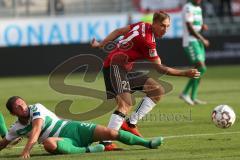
{"x": 139, "y": 43}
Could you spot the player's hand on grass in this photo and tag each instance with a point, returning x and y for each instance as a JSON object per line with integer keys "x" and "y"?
{"x": 25, "y": 154}
{"x": 95, "y": 43}
{"x": 192, "y": 73}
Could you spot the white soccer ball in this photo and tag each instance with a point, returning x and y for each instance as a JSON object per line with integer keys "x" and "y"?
{"x": 223, "y": 116}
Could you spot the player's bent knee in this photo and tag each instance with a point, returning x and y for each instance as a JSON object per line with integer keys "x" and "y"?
{"x": 156, "y": 93}
{"x": 50, "y": 145}
{"x": 123, "y": 109}
{"x": 159, "y": 92}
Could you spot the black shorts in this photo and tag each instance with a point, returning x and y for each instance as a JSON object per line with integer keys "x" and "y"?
{"x": 118, "y": 80}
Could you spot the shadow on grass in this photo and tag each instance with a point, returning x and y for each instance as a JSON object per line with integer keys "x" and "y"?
{"x": 50, "y": 156}
{"x": 17, "y": 156}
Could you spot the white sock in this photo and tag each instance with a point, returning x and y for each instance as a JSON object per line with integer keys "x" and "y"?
{"x": 145, "y": 106}
{"x": 115, "y": 123}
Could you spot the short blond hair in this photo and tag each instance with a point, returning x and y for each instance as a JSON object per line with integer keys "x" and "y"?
{"x": 160, "y": 16}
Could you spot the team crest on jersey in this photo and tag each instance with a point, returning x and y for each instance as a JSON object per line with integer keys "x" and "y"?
{"x": 33, "y": 108}
{"x": 152, "y": 52}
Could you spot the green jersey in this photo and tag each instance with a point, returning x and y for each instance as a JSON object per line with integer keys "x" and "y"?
{"x": 51, "y": 127}
{"x": 193, "y": 15}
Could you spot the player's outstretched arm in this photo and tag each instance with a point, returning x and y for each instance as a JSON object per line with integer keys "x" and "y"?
{"x": 191, "y": 73}
{"x": 33, "y": 137}
{"x": 111, "y": 37}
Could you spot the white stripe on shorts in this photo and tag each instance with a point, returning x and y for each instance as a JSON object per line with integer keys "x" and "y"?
{"x": 118, "y": 78}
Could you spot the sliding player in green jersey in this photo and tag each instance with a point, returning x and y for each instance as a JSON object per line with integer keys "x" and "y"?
{"x": 60, "y": 136}
{"x": 193, "y": 44}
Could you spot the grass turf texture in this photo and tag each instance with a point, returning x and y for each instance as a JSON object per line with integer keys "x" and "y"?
{"x": 171, "y": 117}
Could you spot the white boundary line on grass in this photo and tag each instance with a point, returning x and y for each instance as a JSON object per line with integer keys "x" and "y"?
{"x": 175, "y": 136}
{"x": 200, "y": 135}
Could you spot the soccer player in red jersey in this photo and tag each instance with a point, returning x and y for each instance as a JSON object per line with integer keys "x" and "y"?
{"x": 117, "y": 70}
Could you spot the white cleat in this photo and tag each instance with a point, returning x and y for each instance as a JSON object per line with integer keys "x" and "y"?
{"x": 197, "y": 101}
{"x": 187, "y": 99}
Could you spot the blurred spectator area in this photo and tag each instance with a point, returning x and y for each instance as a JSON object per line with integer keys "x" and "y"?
{"x": 16, "y": 8}
{"x": 154, "y": 5}
{"x": 19, "y": 8}
{"x": 216, "y": 14}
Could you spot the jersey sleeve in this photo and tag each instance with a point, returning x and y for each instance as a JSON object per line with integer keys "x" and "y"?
{"x": 153, "y": 55}
{"x": 134, "y": 24}
{"x": 152, "y": 51}
{"x": 148, "y": 48}
{"x": 12, "y": 134}
{"x": 37, "y": 111}
{"x": 187, "y": 14}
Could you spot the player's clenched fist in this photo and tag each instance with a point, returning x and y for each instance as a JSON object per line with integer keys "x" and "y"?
{"x": 192, "y": 73}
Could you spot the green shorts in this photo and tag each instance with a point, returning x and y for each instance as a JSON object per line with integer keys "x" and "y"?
{"x": 195, "y": 51}
{"x": 80, "y": 133}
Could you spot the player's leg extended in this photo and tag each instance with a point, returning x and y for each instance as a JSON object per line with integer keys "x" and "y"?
{"x": 57, "y": 145}
{"x": 124, "y": 103}
{"x": 154, "y": 92}
{"x": 117, "y": 86}
{"x": 116, "y": 82}
{"x": 103, "y": 133}
{"x": 3, "y": 128}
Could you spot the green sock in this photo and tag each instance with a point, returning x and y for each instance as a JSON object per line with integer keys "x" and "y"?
{"x": 195, "y": 88}
{"x": 131, "y": 139}
{"x": 188, "y": 86}
{"x": 196, "y": 82}
{"x": 65, "y": 146}
{"x": 3, "y": 128}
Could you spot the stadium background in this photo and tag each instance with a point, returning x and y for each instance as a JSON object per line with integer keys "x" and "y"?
{"x": 36, "y": 36}
{"x": 47, "y": 32}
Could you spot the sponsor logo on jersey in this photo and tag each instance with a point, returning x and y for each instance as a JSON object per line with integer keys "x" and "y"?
{"x": 36, "y": 114}
{"x": 152, "y": 52}
{"x": 33, "y": 108}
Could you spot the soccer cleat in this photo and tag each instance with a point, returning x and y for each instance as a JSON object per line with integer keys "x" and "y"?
{"x": 187, "y": 99}
{"x": 156, "y": 142}
{"x": 109, "y": 146}
{"x": 96, "y": 148}
{"x": 130, "y": 128}
{"x": 197, "y": 101}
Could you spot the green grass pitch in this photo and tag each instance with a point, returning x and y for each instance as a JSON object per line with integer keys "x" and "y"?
{"x": 188, "y": 131}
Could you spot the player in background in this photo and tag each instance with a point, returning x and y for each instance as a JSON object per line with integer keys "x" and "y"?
{"x": 118, "y": 67}
{"x": 59, "y": 136}
{"x": 147, "y": 16}
{"x": 3, "y": 128}
{"x": 193, "y": 44}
